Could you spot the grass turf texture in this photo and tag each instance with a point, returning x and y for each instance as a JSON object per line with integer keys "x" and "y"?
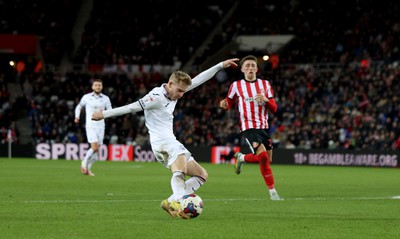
{"x": 52, "y": 199}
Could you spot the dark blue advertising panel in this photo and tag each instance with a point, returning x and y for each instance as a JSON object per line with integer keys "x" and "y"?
{"x": 337, "y": 157}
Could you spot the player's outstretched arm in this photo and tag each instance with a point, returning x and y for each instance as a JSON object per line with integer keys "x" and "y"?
{"x": 230, "y": 63}
{"x": 210, "y": 72}
{"x": 131, "y": 108}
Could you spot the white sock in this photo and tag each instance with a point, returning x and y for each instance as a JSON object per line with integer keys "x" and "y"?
{"x": 178, "y": 186}
{"x": 241, "y": 157}
{"x": 193, "y": 183}
{"x": 272, "y": 191}
{"x": 89, "y": 154}
{"x": 92, "y": 160}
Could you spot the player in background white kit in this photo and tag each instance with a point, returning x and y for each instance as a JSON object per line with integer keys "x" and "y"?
{"x": 93, "y": 101}
{"x": 158, "y": 106}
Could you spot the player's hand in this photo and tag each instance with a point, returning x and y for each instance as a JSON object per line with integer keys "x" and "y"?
{"x": 98, "y": 115}
{"x": 223, "y": 104}
{"x": 261, "y": 98}
{"x": 231, "y": 63}
{"x": 76, "y": 120}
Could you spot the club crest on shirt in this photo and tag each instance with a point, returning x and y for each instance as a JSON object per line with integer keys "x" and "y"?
{"x": 146, "y": 100}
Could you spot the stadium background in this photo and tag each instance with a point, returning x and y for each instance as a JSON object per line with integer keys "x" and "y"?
{"x": 336, "y": 80}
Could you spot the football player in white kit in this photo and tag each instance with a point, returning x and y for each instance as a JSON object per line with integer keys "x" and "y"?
{"x": 92, "y": 102}
{"x": 158, "y": 106}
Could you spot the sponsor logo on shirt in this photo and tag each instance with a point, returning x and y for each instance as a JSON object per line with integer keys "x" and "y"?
{"x": 247, "y": 99}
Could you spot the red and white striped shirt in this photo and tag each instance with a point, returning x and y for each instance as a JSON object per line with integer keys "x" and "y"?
{"x": 253, "y": 115}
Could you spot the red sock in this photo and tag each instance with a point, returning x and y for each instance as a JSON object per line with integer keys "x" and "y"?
{"x": 266, "y": 170}
{"x": 251, "y": 158}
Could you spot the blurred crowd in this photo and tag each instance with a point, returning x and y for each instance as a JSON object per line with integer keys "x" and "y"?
{"x": 336, "y": 85}
{"x": 159, "y": 32}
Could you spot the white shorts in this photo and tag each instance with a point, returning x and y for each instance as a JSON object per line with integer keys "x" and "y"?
{"x": 167, "y": 151}
{"x": 95, "y": 135}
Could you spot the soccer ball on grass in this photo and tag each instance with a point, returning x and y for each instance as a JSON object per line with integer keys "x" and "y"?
{"x": 192, "y": 205}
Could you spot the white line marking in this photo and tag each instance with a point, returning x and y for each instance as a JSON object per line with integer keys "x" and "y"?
{"x": 344, "y": 198}
{"x": 216, "y": 200}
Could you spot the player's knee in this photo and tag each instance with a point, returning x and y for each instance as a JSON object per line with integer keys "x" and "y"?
{"x": 204, "y": 174}
{"x": 95, "y": 147}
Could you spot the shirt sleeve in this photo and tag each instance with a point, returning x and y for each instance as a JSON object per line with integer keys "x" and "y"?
{"x": 79, "y": 107}
{"x": 231, "y": 96}
{"x": 205, "y": 75}
{"x": 151, "y": 100}
{"x": 272, "y": 106}
{"x": 131, "y": 108}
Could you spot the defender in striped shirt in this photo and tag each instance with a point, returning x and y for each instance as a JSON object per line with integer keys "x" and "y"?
{"x": 254, "y": 97}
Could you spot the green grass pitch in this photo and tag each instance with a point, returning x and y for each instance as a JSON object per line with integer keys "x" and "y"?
{"x": 52, "y": 199}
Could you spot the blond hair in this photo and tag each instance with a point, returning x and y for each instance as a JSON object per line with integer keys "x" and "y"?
{"x": 180, "y": 76}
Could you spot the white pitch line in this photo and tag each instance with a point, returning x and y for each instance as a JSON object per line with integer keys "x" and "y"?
{"x": 219, "y": 200}
{"x": 311, "y": 199}
{"x": 344, "y": 198}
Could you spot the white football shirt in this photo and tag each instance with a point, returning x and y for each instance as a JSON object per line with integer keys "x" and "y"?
{"x": 158, "y": 113}
{"x": 92, "y": 102}
{"x": 159, "y": 109}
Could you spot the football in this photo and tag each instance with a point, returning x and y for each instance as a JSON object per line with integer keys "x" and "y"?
{"x": 192, "y": 205}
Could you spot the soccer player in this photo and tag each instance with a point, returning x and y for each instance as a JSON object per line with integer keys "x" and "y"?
{"x": 255, "y": 98}
{"x": 92, "y": 102}
{"x": 158, "y": 106}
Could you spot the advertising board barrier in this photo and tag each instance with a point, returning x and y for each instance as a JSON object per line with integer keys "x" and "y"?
{"x": 214, "y": 154}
